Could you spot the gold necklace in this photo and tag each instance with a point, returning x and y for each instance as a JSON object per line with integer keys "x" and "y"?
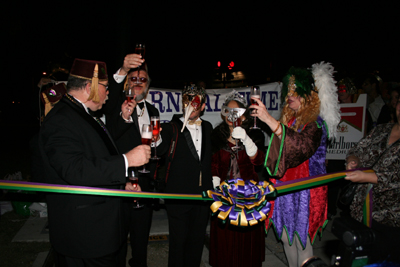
{"x": 141, "y": 112}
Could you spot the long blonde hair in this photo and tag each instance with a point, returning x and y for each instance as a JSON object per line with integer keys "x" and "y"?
{"x": 307, "y": 112}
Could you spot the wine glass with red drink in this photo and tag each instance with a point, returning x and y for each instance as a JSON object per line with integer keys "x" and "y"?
{"x": 255, "y": 92}
{"x": 140, "y": 49}
{"x": 134, "y": 180}
{"x": 147, "y": 135}
{"x": 155, "y": 123}
{"x": 129, "y": 97}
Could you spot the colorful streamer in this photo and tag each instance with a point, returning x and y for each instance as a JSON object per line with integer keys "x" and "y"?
{"x": 72, "y": 189}
{"x": 243, "y": 202}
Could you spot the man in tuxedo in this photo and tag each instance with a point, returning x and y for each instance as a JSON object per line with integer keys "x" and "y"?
{"x": 76, "y": 149}
{"x": 189, "y": 173}
{"x": 125, "y": 119}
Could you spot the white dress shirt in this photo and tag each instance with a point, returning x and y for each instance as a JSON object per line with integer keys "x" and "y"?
{"x": 196, "y": 134}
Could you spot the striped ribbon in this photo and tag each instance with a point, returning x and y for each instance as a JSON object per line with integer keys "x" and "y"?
{"x": 281, "y": 188}
{"x": 367, "y": 207}
{"x": 72, "y": 189}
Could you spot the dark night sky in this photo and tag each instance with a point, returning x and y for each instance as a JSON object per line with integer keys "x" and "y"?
{"x": 184, "y": 41}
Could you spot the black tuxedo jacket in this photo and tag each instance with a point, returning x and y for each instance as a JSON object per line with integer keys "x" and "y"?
{"x": 184, "y": 173}
{"x": 76, "y": 150}
{"x": 127, "y": 135}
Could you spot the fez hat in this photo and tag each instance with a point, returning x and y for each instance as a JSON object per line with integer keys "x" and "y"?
{"x": 94, "y": 71}
{"x": 54, "y": 93}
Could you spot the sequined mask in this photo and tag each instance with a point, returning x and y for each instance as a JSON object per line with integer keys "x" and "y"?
{"x": 292, "y": 86}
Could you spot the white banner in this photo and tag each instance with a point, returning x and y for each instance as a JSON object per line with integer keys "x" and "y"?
{"x": 169, "y": 101}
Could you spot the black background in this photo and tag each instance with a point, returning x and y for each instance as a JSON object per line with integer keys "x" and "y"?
{"x": 184, "y": 40}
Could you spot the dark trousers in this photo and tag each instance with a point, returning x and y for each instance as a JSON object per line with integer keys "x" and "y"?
{"x": 139, "y": 229}
{"x": 116, "y": 259}
{"x": 187, "y": 222}
{"x": 386, "y": 245}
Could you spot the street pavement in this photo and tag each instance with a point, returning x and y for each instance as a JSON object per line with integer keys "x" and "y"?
{"x": 35, "y": 230}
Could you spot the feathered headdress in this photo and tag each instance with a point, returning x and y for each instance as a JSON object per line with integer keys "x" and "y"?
{"x": 299, "y": 80}
{"x": 327, "y": 93}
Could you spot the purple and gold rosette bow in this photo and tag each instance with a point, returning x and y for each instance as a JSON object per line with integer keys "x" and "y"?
{"x": 241, "y": 202}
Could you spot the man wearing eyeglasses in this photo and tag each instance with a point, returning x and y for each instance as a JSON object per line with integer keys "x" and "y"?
{"x": 76, "y": 149}
{"x": 125, "y": 119}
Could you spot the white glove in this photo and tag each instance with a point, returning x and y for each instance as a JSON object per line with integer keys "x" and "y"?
{"x": 216, "y": 181}
{"x": 249, "y": 145}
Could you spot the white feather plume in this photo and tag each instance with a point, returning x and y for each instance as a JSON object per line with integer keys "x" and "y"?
{"x": 327, "y": 93}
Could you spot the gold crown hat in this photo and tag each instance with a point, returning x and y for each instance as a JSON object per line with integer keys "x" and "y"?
{"x": 233, "y": 113}
{"x": 94, "y": 71}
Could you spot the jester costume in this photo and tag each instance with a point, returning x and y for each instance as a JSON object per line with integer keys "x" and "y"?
{"x": 300, "y": 149}
{"x": 297, "y": 155}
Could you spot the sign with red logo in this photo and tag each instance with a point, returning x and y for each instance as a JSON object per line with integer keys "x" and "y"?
{"x": 350, "y": 129}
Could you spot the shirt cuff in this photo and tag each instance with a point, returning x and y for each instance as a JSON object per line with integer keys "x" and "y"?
{"x": 126, "y": 165}
{"x": 157, "y": 143}
{"x": 119, "y": 78}
{"x": 130, "y": 118}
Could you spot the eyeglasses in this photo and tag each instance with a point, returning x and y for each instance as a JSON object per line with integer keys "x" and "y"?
{"x": 106, "y": 86}
{"x": 135, "y": 79}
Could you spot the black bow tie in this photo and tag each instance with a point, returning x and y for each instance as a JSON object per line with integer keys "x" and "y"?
{"x": 141, "y": 105}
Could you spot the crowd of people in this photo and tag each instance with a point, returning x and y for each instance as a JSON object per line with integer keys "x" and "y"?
{"x": 76, "y": 147}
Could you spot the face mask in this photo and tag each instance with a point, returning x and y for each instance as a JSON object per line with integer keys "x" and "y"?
{"x": 190, "y": 103}
{"x": 232, "y": 113}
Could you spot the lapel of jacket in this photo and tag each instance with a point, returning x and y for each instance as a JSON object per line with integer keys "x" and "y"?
{"x": 190, "y": 143}
{"x": 78, "y": 108}
{"x": 135, "y": 119}
{"x": 188, "y": 138}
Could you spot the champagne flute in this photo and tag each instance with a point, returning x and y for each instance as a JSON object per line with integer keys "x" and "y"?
{"x": 147, "y": 135}
{"x": 140, "y": 49}
{"x": 237, "y": 122}
{"x": 255, "y": 92}
{"x": 155, "y": 123}
{"x": 134, "y": 180}
{"x": 129, "y": 96}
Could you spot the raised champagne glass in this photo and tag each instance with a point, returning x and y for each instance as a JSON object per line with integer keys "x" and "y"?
{"x": 147, "y": 135}
{"x": 255, "y": 92}
{"x": 155, "y": 123}
{"x": 140, "y": 49}
{"x": 129, "y": 97}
